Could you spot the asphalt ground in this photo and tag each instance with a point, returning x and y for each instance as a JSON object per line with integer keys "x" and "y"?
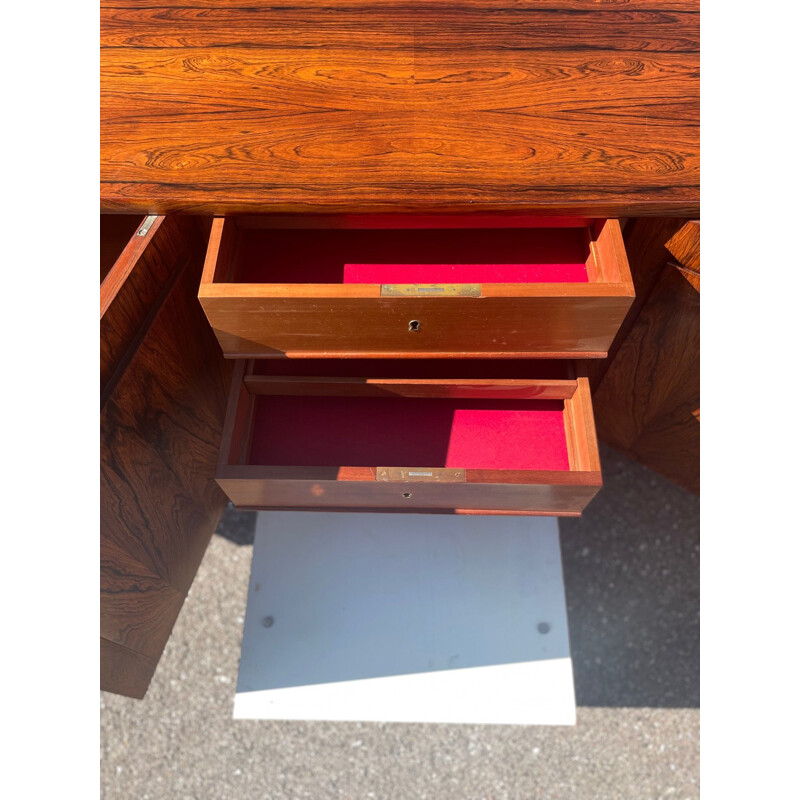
{"x": 631, "y": 568}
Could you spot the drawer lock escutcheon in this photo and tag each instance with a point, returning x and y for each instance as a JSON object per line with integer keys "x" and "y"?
{"x": 421, "y": 475}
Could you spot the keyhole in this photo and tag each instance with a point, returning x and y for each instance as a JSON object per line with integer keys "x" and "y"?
{"x": 414, "y": 325}
{"x": 406, "y": 495}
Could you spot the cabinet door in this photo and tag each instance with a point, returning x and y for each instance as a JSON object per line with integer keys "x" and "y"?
{"x": 163, "y": 393}
{"x": 648, "y": 404}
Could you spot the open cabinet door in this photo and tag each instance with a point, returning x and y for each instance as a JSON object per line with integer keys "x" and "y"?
{"x": 647, "y": 405}
{"x": 163, "y": 392}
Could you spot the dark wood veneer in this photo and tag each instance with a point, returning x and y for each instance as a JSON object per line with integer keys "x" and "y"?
{"x": 555, "y": 107}
{"x": 160, "y": 429}
{"x": 648, "y": 403}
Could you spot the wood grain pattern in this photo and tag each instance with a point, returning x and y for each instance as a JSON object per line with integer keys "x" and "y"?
{"x": 692, "y": 6}
{"x": 691, "y": 276}
{"x": 134, "y": 290}
{"x": 580, "y": 428}
{"x": 556, "y": 107}
{"x": 512, "y": 327}
{"x": 417, "y": 26}
{"x": 115, "y": 233}
{"x": 160, "y": 430}
{"x": 125, "y": 263}
{"x": 645, "y": 407}
{"x": 124, "y": 671}
{"x": 685, "y": 247}
{"x": 164, "y": 418}
{"x": 644, "y": 243}
{"x": 138, "y": 607}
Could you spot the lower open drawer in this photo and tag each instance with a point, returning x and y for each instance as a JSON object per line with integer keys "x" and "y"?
{"x": 365, "y": 435}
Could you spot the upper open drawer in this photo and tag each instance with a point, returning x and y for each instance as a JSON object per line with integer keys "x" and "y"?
{"x": 427, "y": 287}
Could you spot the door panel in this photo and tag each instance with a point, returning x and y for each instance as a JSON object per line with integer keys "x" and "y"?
{"x": 162, "y": 409}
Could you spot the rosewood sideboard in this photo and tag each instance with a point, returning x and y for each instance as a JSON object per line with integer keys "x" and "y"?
{"x": 403, "y": 255}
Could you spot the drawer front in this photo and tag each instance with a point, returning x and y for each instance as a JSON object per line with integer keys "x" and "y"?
{"x": 247, "y": 490}
{"x": 575, "y": 311}
{"x": 384, "y": 328}
{"x": 520, "y": 445}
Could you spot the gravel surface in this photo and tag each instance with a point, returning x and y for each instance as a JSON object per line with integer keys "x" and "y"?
{"x": 631, "y": 568}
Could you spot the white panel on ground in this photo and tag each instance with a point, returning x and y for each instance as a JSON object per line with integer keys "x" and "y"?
{"x": 406, "y": 618}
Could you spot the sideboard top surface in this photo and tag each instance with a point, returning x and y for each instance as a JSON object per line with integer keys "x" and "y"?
{"x": 586, "y": 107}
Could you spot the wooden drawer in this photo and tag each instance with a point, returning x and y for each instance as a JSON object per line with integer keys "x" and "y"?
{"x": 455, "y": 436}
{"x": 425, "y": 287}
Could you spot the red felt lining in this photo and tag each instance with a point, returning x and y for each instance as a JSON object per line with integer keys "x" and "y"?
{"x": 465, "y": 273}
{"x": 474, "y": 255}
{"x": 409, "y": 432}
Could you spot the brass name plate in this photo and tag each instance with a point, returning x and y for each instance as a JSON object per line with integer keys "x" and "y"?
{"x": 421, "y": 474}
{"x": 430, "y": 290}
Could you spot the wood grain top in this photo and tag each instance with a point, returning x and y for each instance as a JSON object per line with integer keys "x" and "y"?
{"x": 586, "y": 107}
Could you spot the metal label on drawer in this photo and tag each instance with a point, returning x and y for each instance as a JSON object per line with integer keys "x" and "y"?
{"x": 430, "y": 290}
{"x": 421, "y": 474}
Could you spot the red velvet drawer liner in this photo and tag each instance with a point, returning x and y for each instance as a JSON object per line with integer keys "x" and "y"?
{"x": 409, "y": 432}
{"x": 475, "y": 255}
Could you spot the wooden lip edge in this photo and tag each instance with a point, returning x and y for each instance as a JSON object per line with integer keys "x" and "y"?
{"x": 579, "y": 425}
{"x": 583, "y": 395}
{"x": 125, "y": 264}
{"x": 415, "y": 510}
{"x": 367, "y": 475}
{"x": 212, "y": 253}
{"x": 393, "y": 220}
{"x": 621, "y": 257}
{"x": 232, "y": 411}
{"x": 422, "y": 354}
{"x": 197, "y": 203}
{"x": 555, "y": 389}
{"x": 372, "y": 291}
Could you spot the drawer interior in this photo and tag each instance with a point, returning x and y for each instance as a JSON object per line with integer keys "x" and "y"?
{"x": 286, "y": 251}
{"x": 467, "y": 433}
{"x": 472, "y": 255}
{"x": 326, "y": 413}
